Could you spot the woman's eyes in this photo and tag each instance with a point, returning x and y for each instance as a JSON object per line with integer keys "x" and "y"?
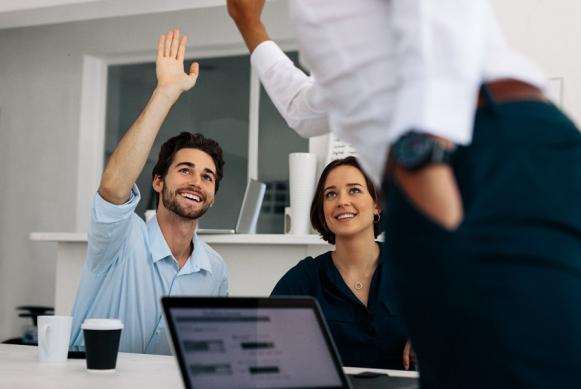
{"x": 353, "y": 190}
{"x": 330, "y": 195}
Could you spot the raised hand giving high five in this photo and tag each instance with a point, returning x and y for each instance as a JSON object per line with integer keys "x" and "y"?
{"x": 171, "y": 75}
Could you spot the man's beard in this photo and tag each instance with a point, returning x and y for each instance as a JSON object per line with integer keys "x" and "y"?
{"x": 171, "y": 203}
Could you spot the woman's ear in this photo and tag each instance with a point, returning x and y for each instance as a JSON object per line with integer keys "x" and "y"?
{"x": 377, "y": 209}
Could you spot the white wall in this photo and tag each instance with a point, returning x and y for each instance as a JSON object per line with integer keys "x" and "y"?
{"x": 40, "y": 90}
{"x": 40, "y": 79}
{"x": 548, "y": 31}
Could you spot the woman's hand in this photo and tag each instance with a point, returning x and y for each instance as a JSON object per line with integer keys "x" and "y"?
{"x": 409, "y": 356}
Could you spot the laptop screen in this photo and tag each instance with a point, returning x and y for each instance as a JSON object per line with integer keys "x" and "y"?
{"x": 254, "y": 347}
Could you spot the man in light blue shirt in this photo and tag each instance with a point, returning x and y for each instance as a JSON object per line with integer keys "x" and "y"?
{"x": 130, "y": 265}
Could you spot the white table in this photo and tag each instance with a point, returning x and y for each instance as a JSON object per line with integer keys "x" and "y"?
{"x": 19, "y": 368}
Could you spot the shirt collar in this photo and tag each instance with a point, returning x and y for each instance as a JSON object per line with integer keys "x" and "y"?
{"x": 199, "y": 259}
{"x": 157, "y": 244}
{"x": 160, "y": 250}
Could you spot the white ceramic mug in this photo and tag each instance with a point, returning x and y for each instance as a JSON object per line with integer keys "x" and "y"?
{"x": 54, "y": 334}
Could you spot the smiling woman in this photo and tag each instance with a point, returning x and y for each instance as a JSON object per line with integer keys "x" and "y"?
{"x": 351, "y": 283}
{"x": 343, "y": 180}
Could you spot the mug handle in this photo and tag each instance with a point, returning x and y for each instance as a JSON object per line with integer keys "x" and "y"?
{"x": 43, "y": 338}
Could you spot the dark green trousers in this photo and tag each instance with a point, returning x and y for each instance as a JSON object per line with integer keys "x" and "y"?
{"x": 497, "y": 303}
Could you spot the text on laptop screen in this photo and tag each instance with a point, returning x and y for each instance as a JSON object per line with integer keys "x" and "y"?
{"x": 254, "y": 348}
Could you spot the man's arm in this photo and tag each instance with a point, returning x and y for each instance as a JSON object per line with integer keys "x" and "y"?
{"x": 131, "y": 153}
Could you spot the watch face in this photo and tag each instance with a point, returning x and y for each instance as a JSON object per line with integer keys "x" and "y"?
{"x": 413, "y": 150}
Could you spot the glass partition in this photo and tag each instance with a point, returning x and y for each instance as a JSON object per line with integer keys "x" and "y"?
{"x": 216, "y": 107}
{"x": 276, "y": 140}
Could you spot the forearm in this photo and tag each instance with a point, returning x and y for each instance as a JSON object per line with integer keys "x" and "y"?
{"x": 247, "y": 16}
{"x": 130, "y": 155}
{"x": 253, "y": 34}
{"x": 433, "y": 189}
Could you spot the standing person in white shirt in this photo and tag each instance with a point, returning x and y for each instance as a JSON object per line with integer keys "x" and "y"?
{"x": 482, "y": 191}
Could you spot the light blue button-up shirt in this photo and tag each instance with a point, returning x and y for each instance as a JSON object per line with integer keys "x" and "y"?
{"x": 129, "y": 267}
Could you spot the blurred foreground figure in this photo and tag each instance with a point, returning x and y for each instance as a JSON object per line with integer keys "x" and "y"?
{"x": 481, "y": 176}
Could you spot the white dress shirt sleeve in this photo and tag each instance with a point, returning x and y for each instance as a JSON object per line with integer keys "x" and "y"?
{"x": 293, "y": 92}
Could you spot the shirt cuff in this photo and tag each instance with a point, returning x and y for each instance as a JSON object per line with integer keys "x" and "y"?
{"x": 266, "y": 55}
{"x": 441, "y": 107}
{"x": 106, "y": 212}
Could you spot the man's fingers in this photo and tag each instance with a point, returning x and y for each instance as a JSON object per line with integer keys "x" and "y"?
{"x": 182, "y": 48}
{"x": 194, "y": 70}
{"x": 174, "y": 44}
{"x": 167, "y": 47}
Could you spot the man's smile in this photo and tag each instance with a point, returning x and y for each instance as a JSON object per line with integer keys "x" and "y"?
{"x": 192, "y": 196}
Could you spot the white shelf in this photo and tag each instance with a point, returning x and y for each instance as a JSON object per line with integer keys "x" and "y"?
{"x": 278, "y": 239}
{"x": 59, "y": 236}
{"x": 268, "y": 239}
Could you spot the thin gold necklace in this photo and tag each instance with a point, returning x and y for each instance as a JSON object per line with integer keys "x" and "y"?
{"x": 357, "y": 285}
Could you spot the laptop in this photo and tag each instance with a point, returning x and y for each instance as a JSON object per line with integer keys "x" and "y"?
{"x": 249, "y": 211}
{"x": 245, "y": 342}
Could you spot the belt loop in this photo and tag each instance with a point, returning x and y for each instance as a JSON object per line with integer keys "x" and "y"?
{"x": 487, "y": 95}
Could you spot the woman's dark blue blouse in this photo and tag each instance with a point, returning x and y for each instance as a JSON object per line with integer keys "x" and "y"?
{"x": 372, "y": 336}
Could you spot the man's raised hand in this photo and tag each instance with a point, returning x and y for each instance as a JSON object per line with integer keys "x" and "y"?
{"x": 171, "y": 76}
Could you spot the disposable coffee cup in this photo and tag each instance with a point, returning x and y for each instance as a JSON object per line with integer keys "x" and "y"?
{"x": 101, "y": 343}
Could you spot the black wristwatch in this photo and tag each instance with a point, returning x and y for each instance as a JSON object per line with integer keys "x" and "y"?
{"x": 415, "y": 150}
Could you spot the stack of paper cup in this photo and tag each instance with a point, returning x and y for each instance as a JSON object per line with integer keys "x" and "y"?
{"x": 302, "y": 175}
